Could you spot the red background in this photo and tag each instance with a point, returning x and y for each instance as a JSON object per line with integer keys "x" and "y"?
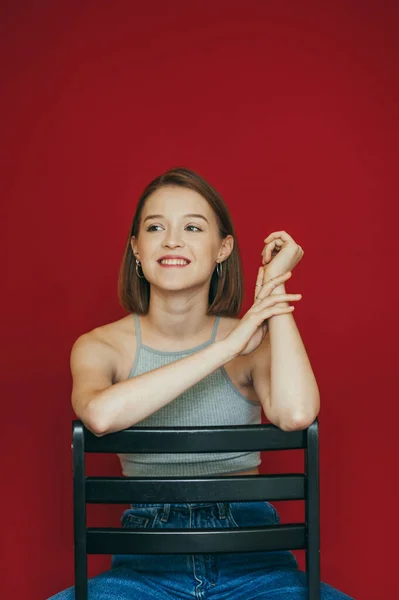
{"x": 291, "y": 110}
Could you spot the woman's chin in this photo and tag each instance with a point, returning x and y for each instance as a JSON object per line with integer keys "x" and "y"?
{"x": 179, "y": 286}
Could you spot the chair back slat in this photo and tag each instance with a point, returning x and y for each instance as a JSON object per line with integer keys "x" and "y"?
{"x": 237, "y": 438}
{"x": 114, "y": 490}
{"x": 184, "y": 541}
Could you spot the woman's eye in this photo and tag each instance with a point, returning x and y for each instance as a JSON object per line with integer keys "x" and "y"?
{"x": 189, "y": 227}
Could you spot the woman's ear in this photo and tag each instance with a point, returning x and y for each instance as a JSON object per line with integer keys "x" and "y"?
{"x": 226, "y": 248}
{"x": 134, "y": 245}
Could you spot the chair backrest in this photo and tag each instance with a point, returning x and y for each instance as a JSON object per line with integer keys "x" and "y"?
{"x": 127, "y": 490}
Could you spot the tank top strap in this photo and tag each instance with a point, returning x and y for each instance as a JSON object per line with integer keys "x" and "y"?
{"x": 215, "y": 329}
{"x": 138, "y": 332}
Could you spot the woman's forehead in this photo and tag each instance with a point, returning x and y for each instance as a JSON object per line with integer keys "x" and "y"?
{"x": 176, "y": 201}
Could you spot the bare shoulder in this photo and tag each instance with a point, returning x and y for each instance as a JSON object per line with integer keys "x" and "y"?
{"x": 105, "y": 347}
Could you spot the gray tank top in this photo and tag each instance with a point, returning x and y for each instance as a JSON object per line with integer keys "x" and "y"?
{"x": 212, "y": 401}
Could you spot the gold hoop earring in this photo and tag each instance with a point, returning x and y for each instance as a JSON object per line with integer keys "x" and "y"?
{"x": 219, "y": 269}
{"x": 137, "y": 270}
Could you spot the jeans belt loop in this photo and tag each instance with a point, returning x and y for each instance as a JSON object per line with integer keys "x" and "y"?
{"x": 222, "y": 507}
{"x": 165, "y": 513}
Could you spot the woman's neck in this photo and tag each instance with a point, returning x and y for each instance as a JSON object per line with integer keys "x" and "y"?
{"x": 177, "y": 319}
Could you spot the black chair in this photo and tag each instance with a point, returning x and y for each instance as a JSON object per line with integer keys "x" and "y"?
{"x": 127, "y": 490}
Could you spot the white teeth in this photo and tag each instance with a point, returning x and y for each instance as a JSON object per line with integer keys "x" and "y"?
{"x": 169, "y": 261}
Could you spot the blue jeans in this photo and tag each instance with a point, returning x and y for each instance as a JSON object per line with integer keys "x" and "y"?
{"x": 233, "y": 576}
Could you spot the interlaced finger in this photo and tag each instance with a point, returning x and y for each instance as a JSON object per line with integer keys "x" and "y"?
{"x": 264, "y": 291}
{"x": 259, "y": 283}
{"x": 263, "y": 288}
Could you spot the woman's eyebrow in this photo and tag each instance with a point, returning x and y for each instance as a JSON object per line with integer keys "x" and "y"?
{"x": 189, "y": 215}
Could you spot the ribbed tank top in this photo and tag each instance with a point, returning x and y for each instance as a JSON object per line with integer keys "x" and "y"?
{"x": 212, "y": 401}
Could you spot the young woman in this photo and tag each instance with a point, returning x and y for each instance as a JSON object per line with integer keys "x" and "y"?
{"x": 182, "y": 357}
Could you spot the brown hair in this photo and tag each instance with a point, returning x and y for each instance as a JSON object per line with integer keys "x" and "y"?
{"x": 225, "y": 292}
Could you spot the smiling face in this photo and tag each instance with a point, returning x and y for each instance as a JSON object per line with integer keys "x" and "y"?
{"x": 179, "y": 242}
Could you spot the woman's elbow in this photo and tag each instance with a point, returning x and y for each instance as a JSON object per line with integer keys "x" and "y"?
{"x": 93, "y": 420}
{"x": 299, "y": 420}
{"x": 295, "y": 424}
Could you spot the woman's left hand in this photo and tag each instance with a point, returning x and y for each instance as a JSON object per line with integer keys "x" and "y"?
{"x": 280, "y": 254}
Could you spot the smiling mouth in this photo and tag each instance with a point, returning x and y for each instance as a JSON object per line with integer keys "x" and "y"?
{"x": 177, "y": 262}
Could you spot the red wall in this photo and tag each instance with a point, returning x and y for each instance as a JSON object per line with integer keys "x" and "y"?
{"x": 291, "y": 110}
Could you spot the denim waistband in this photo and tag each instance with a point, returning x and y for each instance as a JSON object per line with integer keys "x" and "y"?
{"x": 221, "y": 508}
{"x": 251, "y": 511}
{"x": 176, "y": 504}
{"x": 192, "y": 504}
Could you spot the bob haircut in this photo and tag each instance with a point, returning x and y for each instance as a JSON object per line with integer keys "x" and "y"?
{"x": 225, "y": 292}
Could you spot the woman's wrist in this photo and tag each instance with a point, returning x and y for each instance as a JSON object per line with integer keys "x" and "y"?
{"x": 224, "y": 352}
{"x": 279, "y": 289}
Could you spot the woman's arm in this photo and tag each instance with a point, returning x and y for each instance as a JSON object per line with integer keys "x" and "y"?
{"x": 106, "y": 408}
{"x": 282, "y": 375}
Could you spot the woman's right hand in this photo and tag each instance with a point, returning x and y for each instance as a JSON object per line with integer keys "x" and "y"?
{"x": 252, "y": 328}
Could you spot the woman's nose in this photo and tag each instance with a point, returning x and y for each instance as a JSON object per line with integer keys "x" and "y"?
{"x": 172, "y": 240}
